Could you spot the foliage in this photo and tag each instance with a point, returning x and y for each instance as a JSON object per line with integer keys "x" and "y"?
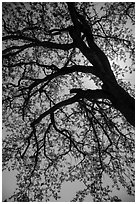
{"x": 52, "y": 135}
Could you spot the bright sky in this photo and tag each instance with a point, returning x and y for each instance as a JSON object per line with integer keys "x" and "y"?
{"x": 67, "y": 192}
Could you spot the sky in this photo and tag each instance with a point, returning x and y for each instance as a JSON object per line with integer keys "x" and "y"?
{"x": 8, "y": 178}
{"x": 67, "y": 192}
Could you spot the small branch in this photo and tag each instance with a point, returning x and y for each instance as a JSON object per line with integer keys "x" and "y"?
{"x": 28, "y": 140}
{"x": 98, "y": 142}
{"x": 54, "y": 108}
{"x": 68, "y": 136}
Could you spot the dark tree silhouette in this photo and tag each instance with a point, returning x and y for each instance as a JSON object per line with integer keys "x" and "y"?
{"x": 58, "y": 128}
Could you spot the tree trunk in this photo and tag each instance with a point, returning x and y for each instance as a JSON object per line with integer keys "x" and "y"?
{"x": 121, "y": 100}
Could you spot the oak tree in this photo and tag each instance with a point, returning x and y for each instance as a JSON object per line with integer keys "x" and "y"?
{"x": 68, "y": 114}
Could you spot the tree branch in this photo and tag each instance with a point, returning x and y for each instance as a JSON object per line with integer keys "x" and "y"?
{"x": 54, "y": 108}
{"x": 91, "y": 94}
{"x": 88, "y": 94}
{"x": 46, "y": 44}
{"x": 63, "y": 71}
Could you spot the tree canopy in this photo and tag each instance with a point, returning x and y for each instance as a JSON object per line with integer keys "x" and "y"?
{"x": 68, "y": 112}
